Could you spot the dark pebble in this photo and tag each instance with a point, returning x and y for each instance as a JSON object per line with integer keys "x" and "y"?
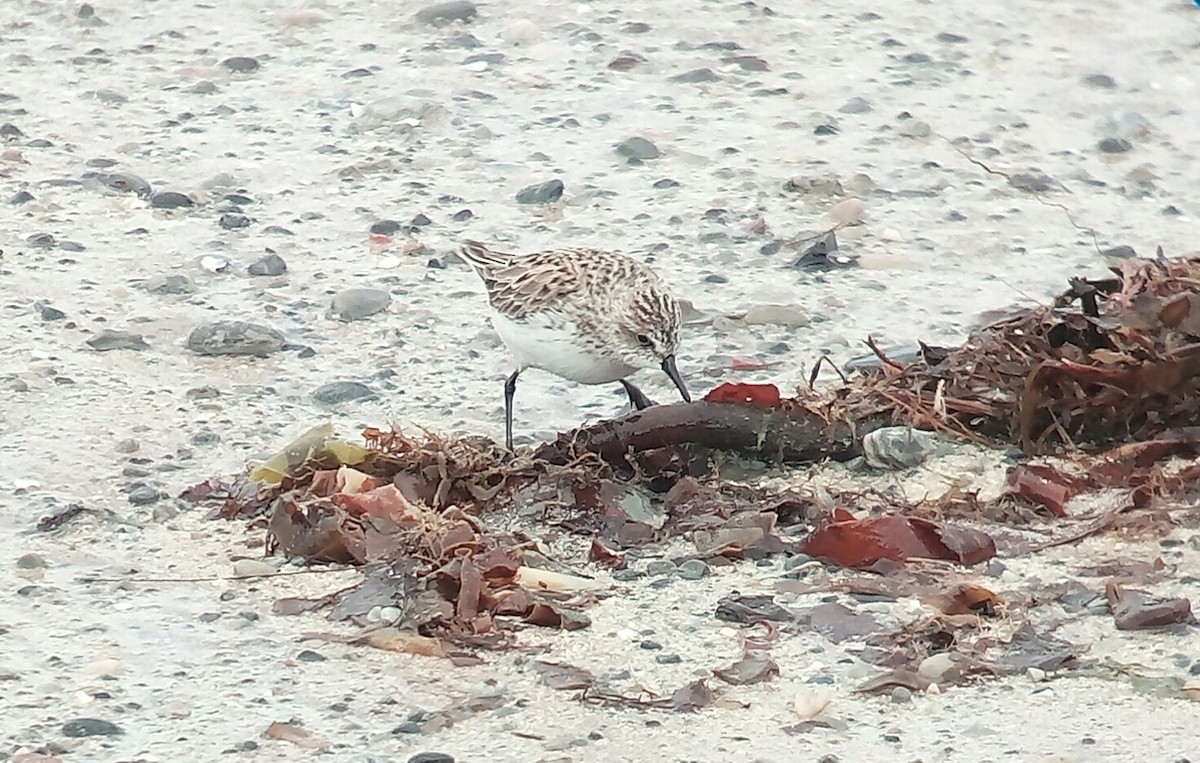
{"x": 385, "y": 227}
{"x": 747, "y": 63}
{"x": 233, "y": 221}
{"x": 144, "y": 495}
{"x": 71, "y": 246}
{"x": 444, "y": 13}
{"x": 342, "y": 392}
{"x": 41, "y": 241}
{"x": 21, "y": 197}
{"x": 238, "y": 198}
{"x": 462, "y": 215}
{"x": 542, "y": 193}
{"x": 951, "y": 38}
{"x": 666, "y": 183}
{"x": 696, "y": 75}
{"x": 715, "y": 278}
{"x": 420, "y": 221}
{"x": 1121, "y": 252}
{"x": 1102, "y": 81}
{"x": 90, "y": 727}
{"x": 408, "y": 727}
{"x": 638, "y": 149}
{"x": 668, "y": 659}
{"x": 234, "y": 338}
{"x": 771, "y": 247}
{"x": 242, "y": 64}
{"x": 431, "y": 757}
{"x": 650, "y": 645}
{"x": 357, "y": 73}
{"x": 209, "y": 617}
{"x": 10, "y": 130}
{"x": 309, "y": 655}
{"x": 173, "y": 284}
{"x": 171, "y": 200}
{"x": 826, "y": 129}
{"x": 108, "y": 339}
{"x": 917, "y": 58}
{"x": 271, "y": 265}
{"x": 628, "y": 574}
{"x": 47, "y": 312}
{"x": 1114, "y": 146}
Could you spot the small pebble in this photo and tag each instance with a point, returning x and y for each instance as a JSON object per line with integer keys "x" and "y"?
{"x": 252, "y": 567}
{"x": 541, "y": 193}
{"x": 270, "y": 265}
{"x": 342, "y": 392}
{"x": 241, "y": 64}
{"x": 172, "y": 284}
{"x": 1114, "y": 146}
{"x": 308, "y": 655}
{"x": 171, "y": 200}
{"x": 848, "y": 212}
{"x": 356, "y": 304}
{"x": 31, "y": 562}
{"x": 778, "y": 315}
{"x": 696, "y": 75}
{"x": 638, "y": 149}
{"x": 109, "y": 339}
{"x": 431, "y": 757}
{"x": 660, "y": 567}
{"x": 444, "y": 13}
{"x": 901, "y": 694}
{"x": 693, "y": 569}
{"x": 89, "y": 727}
{"x": 234, "y": 338}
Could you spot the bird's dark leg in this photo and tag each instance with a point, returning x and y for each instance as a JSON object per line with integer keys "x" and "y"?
{"x": 636, "y": 397}
{"x": 510, "y": 389}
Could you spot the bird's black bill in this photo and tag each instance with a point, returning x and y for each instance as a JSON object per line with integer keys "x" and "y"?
{"x": 668, "y": 366}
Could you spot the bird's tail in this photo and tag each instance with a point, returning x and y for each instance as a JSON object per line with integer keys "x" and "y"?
{"x": 481, "y": 258}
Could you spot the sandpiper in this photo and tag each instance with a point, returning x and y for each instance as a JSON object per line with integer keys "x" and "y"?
{"x": 587, "y": 315}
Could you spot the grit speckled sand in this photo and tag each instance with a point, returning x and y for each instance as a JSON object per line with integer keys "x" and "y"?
{"x": 358, "y": 113}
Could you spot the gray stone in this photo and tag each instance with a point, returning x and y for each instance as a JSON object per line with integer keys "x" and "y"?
{"x": 431, "y": 757}
{"x": 856, "y": 106}
{"x": 234, "y": 338}
{"x": 163, "y": 512}
{"x": 359, "y": 303}
{"x": 342, "y": 392}
{"x": 693, "y": 569}
{"x": 899, "y": 447}
{"x": 659, "y": 567}
{"x": 48, "y": 312}
{"x": 233, "y": 221}
{"x": 171, "y": 200}
{"x": 696, "y": 75}
{"x": 109, "y": 339}
{"x": 89, "y": 727}
{"x": 271, "y": 265}
{"x": 31, "y": 562}
{"x": 144, "y": 495}
{"x": 1101, "y": 81}
{"x": 118, "y": 182}
{"x": 901, "y": 694}
{"x": 444, "y": 13}
{"x": 541, "y": 193}
{"x": 1114, "y": 146}
{"x": 638, "y": 149}
{"x": 173, "y": 284}
{"x": 241, "y": 64}
{"x": 777, "y": 315}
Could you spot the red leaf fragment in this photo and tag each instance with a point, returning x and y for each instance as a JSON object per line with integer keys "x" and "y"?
{"x": 759, "y": 395}
{"x": 1134, "y": 609}
{"x": 863, "y": 542}
{"x": 1043, "y": 485}
{"x": 605, "y": 557}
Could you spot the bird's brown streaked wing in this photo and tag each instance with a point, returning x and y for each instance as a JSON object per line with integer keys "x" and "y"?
{"x": 531, "y": 284}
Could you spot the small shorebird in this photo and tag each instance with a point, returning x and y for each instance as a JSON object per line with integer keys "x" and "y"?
{"x": 587, "y": 315}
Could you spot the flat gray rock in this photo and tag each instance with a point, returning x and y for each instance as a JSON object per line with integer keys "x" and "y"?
{"x": 234, "y": 338}
{"x": 359, "y": 303}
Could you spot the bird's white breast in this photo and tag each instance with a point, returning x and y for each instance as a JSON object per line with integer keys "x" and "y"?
{"x": 555, "y": 346}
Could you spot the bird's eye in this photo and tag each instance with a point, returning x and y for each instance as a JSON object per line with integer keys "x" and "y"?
{"x": 643, "y": 340}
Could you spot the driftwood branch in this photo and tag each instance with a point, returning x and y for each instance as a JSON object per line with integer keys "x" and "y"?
{"x": 790, "y": 434}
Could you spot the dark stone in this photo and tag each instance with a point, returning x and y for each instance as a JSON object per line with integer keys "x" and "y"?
{"x": 1101, "y": 81}
{"x": 917, "y": 58}
{"x": 650, "y": 645}
{"x": 41, "y": 241}
{"x": 233, "y": 221}
{"x": 638, "y": 149}
{"x": 309, "y": 655}
{"x": 668, "y": 659}
{"x": 90, "y": 727}
{"x": 666, "y": 183}
{"x": 144, "y": 495}
{"x": 408, "y": 727}
{"x": 172, "y": 284}
{"x": 747, "y": 63}
{"x": 826, "y": 129}
{"x": 385, "y": 227}
{"x": 21, "y": 197}
{"x": 171, "y": 200}
{"x": 1114, "y": 146}
{"x": 1122, "y": 252}
{"x": 444, "y": 13}
{"x": 541, "y": 193}
{"x": 696, "y": 75}
{"x": 420, "y": 221}
{"x": 951, "y": 38}
{"x": 241, "y": 64}
{"x": 234, "y": 338}
{"x": 431, "y": 757}
{"x": 462, "y": 215}
{"x": 342, "y": 392}
{"x": 108, "y": 339}
{"x": 47, "y": 312}
{"x": 270, "y": 265}
{"x": 357, "y": 73}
